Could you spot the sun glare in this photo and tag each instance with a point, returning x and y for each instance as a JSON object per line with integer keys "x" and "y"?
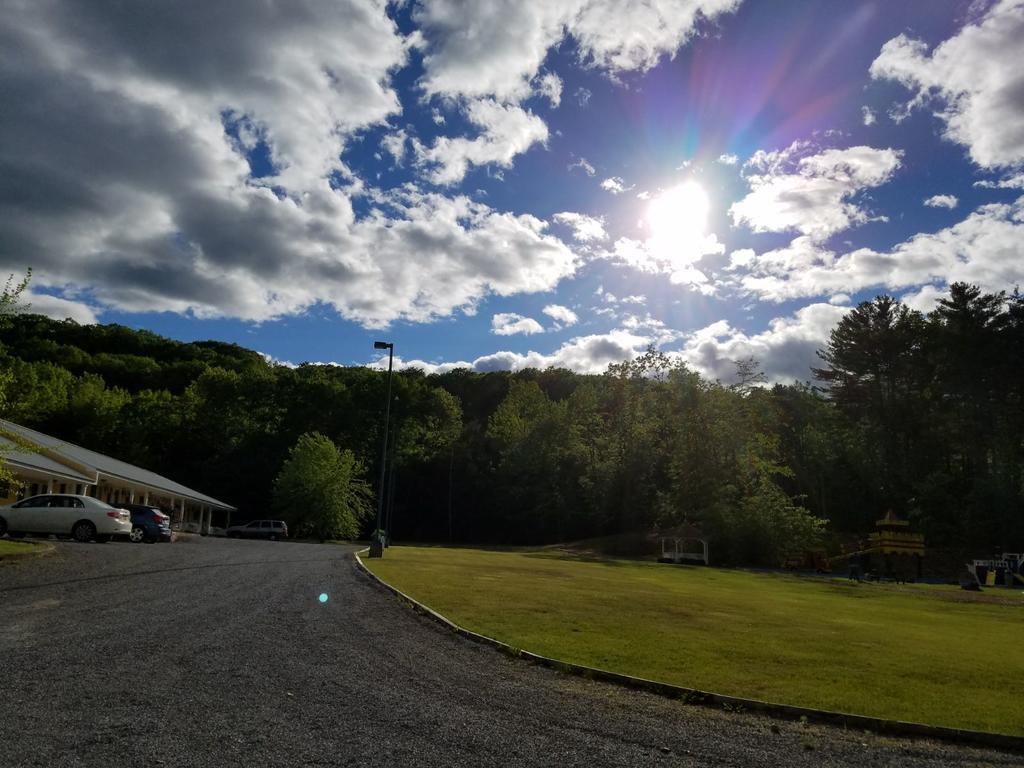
{"x": 678, "y": 217}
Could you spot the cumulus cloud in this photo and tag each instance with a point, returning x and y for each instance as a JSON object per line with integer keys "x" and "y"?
{"x": 1008, "y": 182}
{"x": 510, "y": 324}
{"x": 924, "y": 298}
{"x": 792, "y": 190}
{"x": 986, "y": 248}
{"x": 470, "y": 54}
{"x": 615, "y": 185}
{"x": 59, "y": 308}
{"x": 867, "y": 116}
{"x": 974, "y": 79}
{"x": 942, "y": 201}
{"x": 141, "y": 185}
{"x": 785, "y": 349}
{"x": 505, "y": 131}
{"x": 585, "y": 229}
{"x": 563, "y": 316}
{"x": 676, "y": 260}
{"x": 394, "y": 145}
{"x": 584, "y": 354}
{"x": 728, "y": 159}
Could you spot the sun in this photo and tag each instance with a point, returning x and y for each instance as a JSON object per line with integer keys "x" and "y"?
{"x": 678, "y": 218}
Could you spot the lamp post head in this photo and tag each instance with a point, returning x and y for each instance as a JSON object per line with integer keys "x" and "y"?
{"x": 382, "y": 345}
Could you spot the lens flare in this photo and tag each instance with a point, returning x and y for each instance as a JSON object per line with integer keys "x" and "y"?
{"x": 323, "y": 597}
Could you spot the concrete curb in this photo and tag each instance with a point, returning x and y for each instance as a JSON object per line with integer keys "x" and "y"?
{"x": 40, "y": 549}
{"x": 843, "y": 720}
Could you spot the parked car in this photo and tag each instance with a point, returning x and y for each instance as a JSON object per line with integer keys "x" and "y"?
{"x": 259, "y": 529}
{"x": 149, "y": 523}
{"x": 81, "y": 517}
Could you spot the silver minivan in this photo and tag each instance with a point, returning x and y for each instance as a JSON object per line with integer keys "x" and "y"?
{"x": 81, "y": 517}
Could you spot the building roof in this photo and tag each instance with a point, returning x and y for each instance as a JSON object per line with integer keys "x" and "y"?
{"x": 102, "y": 464}
{"x": 40, "y": 462}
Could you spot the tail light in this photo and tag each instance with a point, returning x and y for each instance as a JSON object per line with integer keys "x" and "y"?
{"x": 114, "y": 513}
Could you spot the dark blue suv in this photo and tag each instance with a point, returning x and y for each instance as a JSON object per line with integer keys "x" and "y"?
{"x": 148, "y": 523}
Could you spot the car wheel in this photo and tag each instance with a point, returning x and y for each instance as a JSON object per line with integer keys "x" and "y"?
{"x": 273, "y": 537}
{"x": 3, "y": 526}
{"x": 83, "y": 531}
{"x": 138, "y": 535}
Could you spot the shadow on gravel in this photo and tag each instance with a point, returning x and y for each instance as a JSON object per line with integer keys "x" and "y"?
{"x": 151, "y": 571}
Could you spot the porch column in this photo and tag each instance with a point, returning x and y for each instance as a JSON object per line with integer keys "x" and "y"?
{"x": 204, "y": 519}
{"x": 145, "y": 498}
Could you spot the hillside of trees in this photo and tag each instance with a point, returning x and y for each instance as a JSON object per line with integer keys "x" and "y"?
{"x": 923, "y": 414}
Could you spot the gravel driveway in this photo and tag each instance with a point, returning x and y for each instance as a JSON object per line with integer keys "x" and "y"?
{"x": 219, "y": 653}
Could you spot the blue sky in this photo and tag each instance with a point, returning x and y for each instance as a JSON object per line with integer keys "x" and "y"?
{"x": 511, "y": 184}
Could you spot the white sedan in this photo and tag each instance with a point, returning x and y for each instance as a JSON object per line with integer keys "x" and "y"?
{"x": 82, "y": 517}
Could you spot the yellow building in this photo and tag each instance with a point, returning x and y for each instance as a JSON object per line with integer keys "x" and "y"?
{"x": 45, "y": 464}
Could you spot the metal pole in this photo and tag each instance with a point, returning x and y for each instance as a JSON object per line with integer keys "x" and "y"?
{"x": 383, "y": 450}
{"x": 391, "y": 486}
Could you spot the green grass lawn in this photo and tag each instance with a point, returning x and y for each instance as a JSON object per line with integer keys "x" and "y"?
{"x": 907, "y": 653}
{"x": 8, "y": 547}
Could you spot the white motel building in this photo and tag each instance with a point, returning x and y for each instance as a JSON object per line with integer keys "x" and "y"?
{"x": 52, "y": 465}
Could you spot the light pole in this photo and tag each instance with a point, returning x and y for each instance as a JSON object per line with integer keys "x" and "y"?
{"x": 377, "y": 544}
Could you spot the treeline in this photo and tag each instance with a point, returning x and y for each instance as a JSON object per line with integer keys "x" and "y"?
{"x": 921, "y": 414}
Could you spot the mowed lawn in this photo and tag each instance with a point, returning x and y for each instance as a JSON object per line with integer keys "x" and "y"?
{"x": 904, "y": 653}
{"x": 8, "y": 547}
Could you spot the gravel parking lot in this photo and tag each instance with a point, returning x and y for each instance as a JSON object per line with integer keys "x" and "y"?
{"x": 219, "y": 653}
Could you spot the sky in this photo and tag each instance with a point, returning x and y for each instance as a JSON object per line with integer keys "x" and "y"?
{"x": 501, "y": 185}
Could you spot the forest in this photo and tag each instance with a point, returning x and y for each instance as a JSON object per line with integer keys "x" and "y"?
{"x": 919, "y": 413}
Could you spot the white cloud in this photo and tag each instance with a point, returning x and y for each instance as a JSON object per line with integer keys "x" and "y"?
{"x": 986, "y": 248}
{"x": 585, "y": 229}
{"x": 839, "y": 299}
{"x": 394, "y": 144}
{"x": 924, "y": 299}
{"x": 811, "y": 193}
{"x": 976, "y": 80}
{"x": 491, "y": 48}
{"x": 585, "y": 354}
{"x": 615, "y": 185}
{"x": 1009, "y": 182}
{"x": 59, "y": 308}
{"x": 549, "y": 85}
{"x": 142, "y": 193}
{"x": 677, "y": 262}
{"x": 582, "y": 96}
{"x": 728, "y": 159}
{"x": 510, "y": 324}
{"x": 785, "y": 349}
{"x": 584, "y": 165}
{"x": 867, "y": 116}
{"x": 942, "y": 201}
{"x": 505, "y": 131}
{"x": 561, "y": 315}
